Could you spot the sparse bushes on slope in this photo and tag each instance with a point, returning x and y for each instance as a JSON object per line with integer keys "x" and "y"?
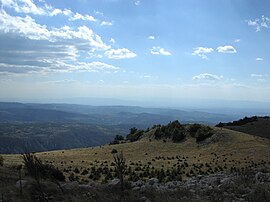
{"x": 240, "y": 122}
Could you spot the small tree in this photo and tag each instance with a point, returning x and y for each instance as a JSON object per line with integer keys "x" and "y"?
{"x": 1, "y": 161}
{"x": 120, "y": 167}
{"x": 38, "y": 170}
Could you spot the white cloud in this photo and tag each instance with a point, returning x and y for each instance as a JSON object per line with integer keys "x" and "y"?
{"x": 78, "y": 16}
{"x": 207, "y": 77}
{"x": 259, "y": 23}
{"x": 106, "y": 23}
{"x": 259, "y": 59}
{"x": 24, "y": 6}
{"x": 237, "y": 40}
{"x": 137, "y": 3}
{"x": 56, "y": 65}
{"x": 67, "y": 12}
{"x": 56, "y": 12}
{"x": 156, "y": 50}
{"x": 258, "y": 75}
{"x": 121, "y": 53}
{"x": 151, "y": 37}
{"x": 112, "y": 40}
{"x": 226, "y": 49}
{"x": 28, "y": 7}
{"x": 202, "y": 51}
{"x": 99, "y": 13}
{"x": 94, "y": 66}
{"x": 27, "y": 27}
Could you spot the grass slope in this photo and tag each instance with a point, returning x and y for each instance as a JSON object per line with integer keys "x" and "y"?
{"x": 260, "y": 128}
{"x": 226, "y": 149}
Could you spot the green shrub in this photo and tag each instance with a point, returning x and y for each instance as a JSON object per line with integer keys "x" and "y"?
{"x": 1, "y": 161}
{"x": 203, "y": 133}
{"x": 178, "y": 135}
{"x": 117, "y": 139}
{"x": 39, "y": 170}
{"x": 172, "y": 130}
{"x": 135, "y": 136}
{"x": 193, "y": 129}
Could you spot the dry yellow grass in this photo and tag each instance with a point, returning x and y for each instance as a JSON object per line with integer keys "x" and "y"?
{"x": 238, "y": 149}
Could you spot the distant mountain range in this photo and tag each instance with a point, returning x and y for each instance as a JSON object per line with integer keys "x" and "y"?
{"x": 43, "y": 127}
{"x": 104, "y": 115}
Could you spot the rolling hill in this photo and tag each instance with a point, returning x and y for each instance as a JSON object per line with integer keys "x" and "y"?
{"x": 258, "y": 126}
{"x": 225, "y": 160}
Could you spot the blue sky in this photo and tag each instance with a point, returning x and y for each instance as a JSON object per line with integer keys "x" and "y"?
{"x": 135, "y": 49}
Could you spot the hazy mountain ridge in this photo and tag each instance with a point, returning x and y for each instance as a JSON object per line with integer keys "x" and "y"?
{"x": 17, "y": 138}
{"x": 104, "y": 115}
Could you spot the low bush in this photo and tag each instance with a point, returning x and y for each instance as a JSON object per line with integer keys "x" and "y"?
{"x": 203, "y": 133}
{"x": 1, "y": 161}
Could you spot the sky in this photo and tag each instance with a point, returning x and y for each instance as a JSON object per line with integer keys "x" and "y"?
{"x": 135, "y": 49}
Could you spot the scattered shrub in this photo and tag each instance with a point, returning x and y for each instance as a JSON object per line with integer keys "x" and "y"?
{"x": 173, "y": 130}
{"x": 117, "y": 139}
{"x": 134, "y": 136}
{"x": 203, "y": 133}
{"x": 1, "y": 161}
{"x": 193, "y": 129}
{"x": 120, "y": 167}
{"x": 38, "y": 170}
{"x": 114, "y": 151}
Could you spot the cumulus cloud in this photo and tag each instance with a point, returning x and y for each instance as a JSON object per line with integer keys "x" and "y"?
{"x": 137, "y": 3}
{"x": 45, "y": 49}
{"x": 156, "y": 50}
{"x": 78, "y": 16}
{"x": 112, "y": 40}
{"x": 202, "y": 51}
{"x": 24, "y": 6}
{"x": 207, "y": 77}
{"x": 106, "y": 23}
{"x": 258, "y": 75}
{"x": 27, "y": 27}
{"x": 52, "y": 66}
{"x": 259, "y": 23}
{"x": 259, "y": 59}
{"x": 121, "y": 53}
{"x": 226, "y": 49}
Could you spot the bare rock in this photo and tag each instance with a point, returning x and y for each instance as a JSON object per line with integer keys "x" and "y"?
{"x": 152, "y": 181}
{"x": 23, "y": 182}
{"x": 114, "y": 182}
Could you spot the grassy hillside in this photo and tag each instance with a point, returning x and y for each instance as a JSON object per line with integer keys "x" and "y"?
{"x": 258, "y": 126}
{"x": 225, "y": 150}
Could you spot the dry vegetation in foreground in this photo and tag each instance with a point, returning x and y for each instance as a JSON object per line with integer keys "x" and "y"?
{"x": 187, "y": 162}
{"x": 146, "y": 158}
